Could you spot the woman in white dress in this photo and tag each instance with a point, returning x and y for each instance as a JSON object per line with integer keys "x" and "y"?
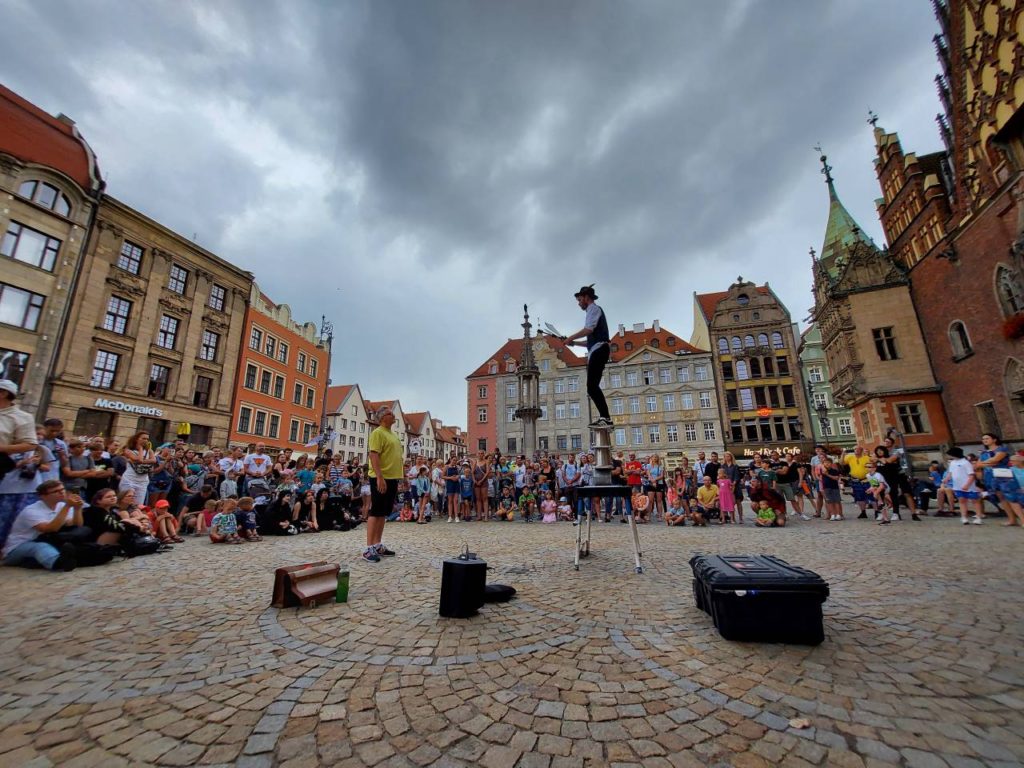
{"x": 138, "y": 453}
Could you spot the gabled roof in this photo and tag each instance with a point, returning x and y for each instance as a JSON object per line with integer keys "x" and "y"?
{"x": 708, "y": 302}
{"x": 416, "y": 421}
{"x": 336, "y": 396}
{"x": 645, "y": 338}
{"x": 33, "y": 136}
{"x": 513, "y": 349}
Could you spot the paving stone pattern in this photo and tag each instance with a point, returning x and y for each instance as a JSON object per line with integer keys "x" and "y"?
{"x": 176, "y": 659}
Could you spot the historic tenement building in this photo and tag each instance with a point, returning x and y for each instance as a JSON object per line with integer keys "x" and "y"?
{"x": 833, "y": 423}
{"x": 878, "y": 364}
{"x": 282, "y": 378}
{"x": 753, "y": 345}
{"x": 660, "y": 391}
{"x": 954, "y": 220}
{"x": 152, "y": 336}
{"x": 50, "y": 184}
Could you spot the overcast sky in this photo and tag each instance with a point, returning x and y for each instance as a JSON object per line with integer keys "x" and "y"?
{"x": 417, "y": 170}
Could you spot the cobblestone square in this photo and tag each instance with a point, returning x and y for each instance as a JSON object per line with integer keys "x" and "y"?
{"x": 176, "y": 659}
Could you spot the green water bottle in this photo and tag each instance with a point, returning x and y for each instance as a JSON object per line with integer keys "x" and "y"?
{"x": 341, "y": 596}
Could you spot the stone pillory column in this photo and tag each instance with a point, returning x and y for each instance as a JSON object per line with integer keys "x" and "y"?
{"x": 528, "y": 374}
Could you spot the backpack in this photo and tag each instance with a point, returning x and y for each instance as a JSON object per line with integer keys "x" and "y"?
{"x": 139, "y": 544}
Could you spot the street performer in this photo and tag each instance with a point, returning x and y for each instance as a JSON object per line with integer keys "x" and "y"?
{"x": 595, "y": 331}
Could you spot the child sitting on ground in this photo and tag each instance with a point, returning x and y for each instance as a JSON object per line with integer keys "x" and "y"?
{"x": 564, "y": 509}
{"x": 406, "y": 513}
{"x": 166, "y": 523}
{"x": 224, "y": 529}
{"x": 245, "y": 516}
{"x": 676, "y": 514}
{"x": 696, "y": 516}
{"x": 507, "y": 506}
{"x": 527, "y": 504}
{"x": 765, "y": 515}
{"x": 548, "y": 508}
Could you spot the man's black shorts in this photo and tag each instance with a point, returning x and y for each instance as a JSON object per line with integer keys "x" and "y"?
{"x": 383, "y": 504}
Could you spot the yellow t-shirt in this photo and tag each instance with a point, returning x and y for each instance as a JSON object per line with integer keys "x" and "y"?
{"x": 707, "y": 496}
{"x": 386, "y": 443}
{"x": 858, "y": 467}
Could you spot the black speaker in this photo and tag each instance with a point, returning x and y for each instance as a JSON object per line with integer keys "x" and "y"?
{"x": 463, "y": 582}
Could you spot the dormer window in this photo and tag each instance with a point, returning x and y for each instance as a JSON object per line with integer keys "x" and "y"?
{"x": 46, "y": 195}
{"x": 629, "y": 345}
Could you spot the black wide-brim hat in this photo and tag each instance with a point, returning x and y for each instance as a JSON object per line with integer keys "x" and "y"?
{"x": 586, "y": 290}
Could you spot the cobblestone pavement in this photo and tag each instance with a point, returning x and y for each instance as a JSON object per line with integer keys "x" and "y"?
{"x": 176, "y": 659}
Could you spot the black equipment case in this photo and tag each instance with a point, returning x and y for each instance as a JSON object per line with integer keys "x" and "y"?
{"x": 760, "y": 598}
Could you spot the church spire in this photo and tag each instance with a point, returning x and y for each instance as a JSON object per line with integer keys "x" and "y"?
{"x": 841, "y": 232}
{"x": 526, "y": 360}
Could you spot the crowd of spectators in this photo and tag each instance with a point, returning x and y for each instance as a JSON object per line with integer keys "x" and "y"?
{"x": 58, "y": 497}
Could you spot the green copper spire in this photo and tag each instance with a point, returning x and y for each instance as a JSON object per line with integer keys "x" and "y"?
{"x": 842, "y": 231}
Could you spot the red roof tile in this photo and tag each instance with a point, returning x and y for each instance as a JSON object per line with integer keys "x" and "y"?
{"x": 336, "y": 396}
{"x": 416, "y": 421}
{"x": 30, "y": 134}
{"x": 513, "y": 349}
{"x": 640, "y": 339}
{"x": 709, "y": 301}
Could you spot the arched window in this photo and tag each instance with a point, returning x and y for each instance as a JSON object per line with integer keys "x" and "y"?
{"x": 1011, "y": 297}
{"x": 959, "y": 340}
{"x": 762, "y": 339}
{"x": 737, "y": 345}
{"x": 655, "y": 343}
{"x": 671, "y": 341}
{"x": 629, "y": 345}
{"x": 777, "y": 340}
{"x": 46, "y": 195}
{"x": 723, "y": 345}
{"x": 742, "y": 373}
{"x": 748, "y": 341}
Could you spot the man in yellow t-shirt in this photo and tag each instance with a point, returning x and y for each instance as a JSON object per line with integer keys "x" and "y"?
{"x": 386, "y": 469}
{"x": 707, "y": 499}
{"x": 858, "y": 463}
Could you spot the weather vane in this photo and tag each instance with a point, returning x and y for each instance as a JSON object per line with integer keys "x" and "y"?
{"x": 826, "y": 169}
{"x": 872, "y": 118}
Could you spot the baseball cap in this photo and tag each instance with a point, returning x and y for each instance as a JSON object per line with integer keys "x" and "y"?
{"x": 162, "y": 504}
{"x": 9, "y": 386}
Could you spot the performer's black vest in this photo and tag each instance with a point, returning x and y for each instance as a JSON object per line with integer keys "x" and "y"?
{"x": 600, "y": 333}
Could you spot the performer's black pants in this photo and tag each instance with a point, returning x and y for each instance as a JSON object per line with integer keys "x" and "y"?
{"x": 595, "y": 368}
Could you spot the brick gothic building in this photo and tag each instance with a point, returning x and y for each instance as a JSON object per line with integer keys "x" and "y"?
{"x": 955, "y": 222}
{"x": 873, "y": 344}
{"x": 757, "y": 372}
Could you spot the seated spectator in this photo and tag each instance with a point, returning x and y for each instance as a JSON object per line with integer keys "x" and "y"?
{"x": 277, "y": 517}
{"x": 406, "y": 513}
{"x": 676, "y": 513}
{"x": 102, "y": 518}
{"x": 224, "y": 528}
{"x": 506, "y": 506}
{"x": 760, "y": 492}
{"x": 707, "y": 500}
{"x": 304, "y": 513}
{"x": 50, "y": 514}
{"x": 166, "y": 525}
{"x": 245, "y": 515}
{"x": 549, "y": 508}
{"x": 564, "y": 509}
{"x": 134, "y": 519}
{"x": 765, "y": 515}
{"x": 18, "y": 487}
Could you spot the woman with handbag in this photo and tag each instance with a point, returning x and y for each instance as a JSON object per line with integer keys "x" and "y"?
{"x": 141, "y": 460}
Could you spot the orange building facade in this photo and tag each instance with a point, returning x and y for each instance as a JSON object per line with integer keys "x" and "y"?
{"x": 283, "y": 371}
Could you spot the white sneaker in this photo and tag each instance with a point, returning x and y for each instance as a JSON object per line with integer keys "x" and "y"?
{"x": 458, "y": 519}
{"x": 805, "y": 517}
{"x": 976, "y": 521}
{"x": 450, "y": 520}
{"x": 878, "y": 516}
{"x": 965, "y": 521}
